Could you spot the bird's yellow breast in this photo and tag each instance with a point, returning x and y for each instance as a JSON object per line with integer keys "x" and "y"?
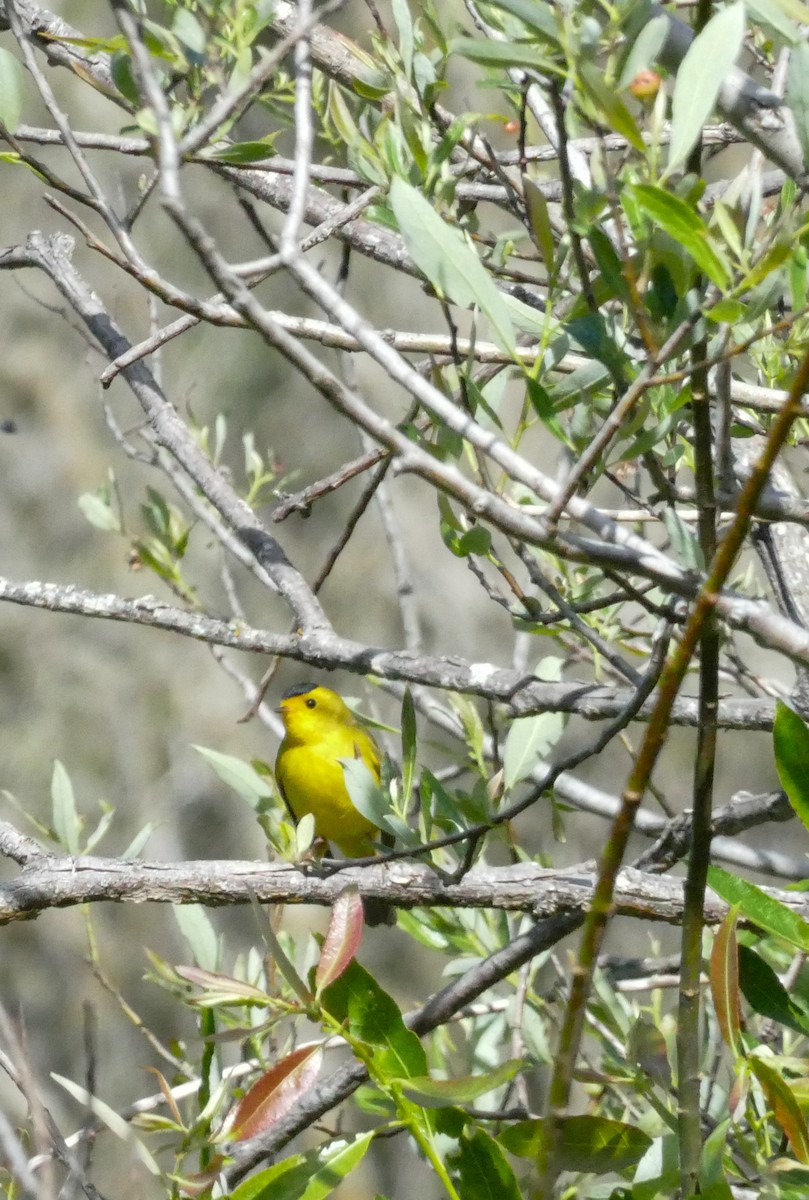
{"x": 309, "y": 772}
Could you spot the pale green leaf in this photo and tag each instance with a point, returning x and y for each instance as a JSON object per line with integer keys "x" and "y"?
{"x": 238, "y": 775}
{"x": 196, "y": 928}
{"x": 113, "y": 1120}
{"x": 797, "y": 94}
{"x": 66, "y": 820}
{"x": 11, "y": 76}
{"x": 700, "y": 77}
{"x": 448, "y": 260}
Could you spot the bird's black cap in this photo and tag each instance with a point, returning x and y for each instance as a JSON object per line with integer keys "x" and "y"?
{"x": 300, "y": 689}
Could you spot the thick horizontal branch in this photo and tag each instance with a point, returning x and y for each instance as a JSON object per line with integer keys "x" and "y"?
{"x": 521, "y": 693}
{"x": 62, "y": 882}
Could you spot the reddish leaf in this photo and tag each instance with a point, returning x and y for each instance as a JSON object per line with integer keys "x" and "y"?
{"x": 725, "y": 982}
{"x": 275, "y": 1093}
{"x": 785, "y": 1107}
{"x": 168, "y": 1096}
{"x": 342, "y": 938}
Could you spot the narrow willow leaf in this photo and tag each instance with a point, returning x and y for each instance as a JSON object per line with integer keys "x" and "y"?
{"x": 224, "y": 985}
{"x": 588, "y": 1143}
{"x": 527, "y": 744}
{"x": 797, "y": 94}
{"x": 195, "y": 926}
{"x": 503, "y": 54}
{"x": 113, "y": 1120}
{"x": 791, "y": 747}
{"x": 409, "y": 747}
{"x": 430, "y": 1092}
{"x": 276, "y": 1092}
{"x": 238, "y": 775}
{"x": 343, "y": 938}
{"x": 482, "y": 1168}
{"x": 702, "y": 72}
{"x": 785, "y": 1107}
{"x": 775, "y": 14}
{"x": 766, "y": 994}
{"x": 66, "y": 820}
{"x": 284, "y": 1180}
{"x": 536, "y": 15}
{"x": 644, "y": 51}
{"x": 310, "y": 1176}
{"x": 765, "y": 911}
{"x": 682, "y": 223}
{"x": 11, "y": 85}
{"x": 97, "y": 509}
{"x": 448, "y": 260}
{"x": 539, "y": 216}
{"x": 724, "y": 975}
{"x": 610, "y": 107}
{"x": 366, "y": 794}
{"x": 646, "y": 1046}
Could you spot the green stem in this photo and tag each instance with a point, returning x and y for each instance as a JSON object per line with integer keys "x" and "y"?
{"x": 670, "y": 681}
{"x": 688, "y": 1022}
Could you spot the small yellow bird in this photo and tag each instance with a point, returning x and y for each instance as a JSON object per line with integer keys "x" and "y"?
{"x": 321, "y": 732}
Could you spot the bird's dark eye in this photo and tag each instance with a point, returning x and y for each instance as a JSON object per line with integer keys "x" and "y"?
{"x": 310, "y": 703}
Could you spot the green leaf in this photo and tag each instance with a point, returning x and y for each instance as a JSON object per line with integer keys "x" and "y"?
{"x": 66, "y": 820}
{"x": 644, "y": 51}
{"x": 786, "y": 1109}
{"x": 310, "y": 1176}
{"x": 791, "y": 747}
{"x": 683, "y": 540}
{"x": 284, "y": 1180}
{"x": 700, "y": 77}
{"x": 113, "y": 1120}
{"x": 439, "y": 1093}
{"x": 684, "y": 225}
{"x": 448, "y": 260}
{"x": 482, "y": 1169}
{"x": 373, "y": 1017}
{"x": 409, "y": 747}
{"x": 543, "y": 407}
{"x": 139, "y": 840}
{"x": 95, "y": 507}
{"x": 196, "y": 928}
{"x": 775, "y": 14}
{"x": 245, "y": 152}
{"x": 724, "y": 976}
{"x": 11, "y": 85}
{"x": 610, "y": 107}
{"x": 238, "y": 775}
{"x": 124, "y": 79}
{"x": 728, "y": 312}
{"x": 530, "y": 739}
{"x": 764, "y": 911}
{"x": 503, "y": 54}
{"x": 766, "y": 994}
{"x": 539, "y": 216}
{"x": 190, "y": 33}
{"x": 589, "y": 1143}
{"x": 537, "y": 16}
{"x": 797, "y": 93}
{"x": 712, "y": 1176}
{"x": 366, "y": 794}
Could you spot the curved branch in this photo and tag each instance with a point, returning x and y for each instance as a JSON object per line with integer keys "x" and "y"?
{"x": 521, "y": 693}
